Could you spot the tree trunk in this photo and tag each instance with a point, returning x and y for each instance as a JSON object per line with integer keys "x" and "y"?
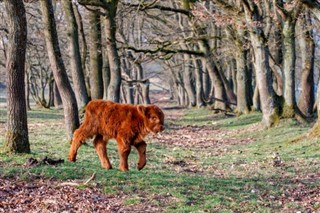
{"x": 56, "y": 96}
{"x": 113, "y": 57}
{"x": 105, "y": 74}
{"x": 307, "y": 49}
{"x": 289, "y": 59}
{"x": 75, "y": 56}
{"x": 256, "y": 103}
{"x": 128, "y": 92}
{"x": 95, "y": 52}
{"x": 206, "y": 80}
{"x": 27, "y": 89}
{"x": 243, "y": 83}
{"x": 59, "y": 71}
{"x": 187, "y": 80}
{"x": 84, "y": 47}
{"x": 145, "y": 92}
{"x": 199, "y": 82}
{"x": 16, "y": 137}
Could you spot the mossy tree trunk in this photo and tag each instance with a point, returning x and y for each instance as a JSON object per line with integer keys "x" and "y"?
{"x": 289, "y": 19}
{"x": 16, "y": 138}
{"x": 289, "y": 69}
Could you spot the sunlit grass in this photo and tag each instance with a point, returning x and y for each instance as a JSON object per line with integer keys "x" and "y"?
{"x": 238, "y": 178}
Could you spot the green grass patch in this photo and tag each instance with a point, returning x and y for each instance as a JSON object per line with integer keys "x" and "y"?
{"x": 237, "y": 173}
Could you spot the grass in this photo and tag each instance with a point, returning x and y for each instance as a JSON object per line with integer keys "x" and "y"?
{"x": 226, "y": 177}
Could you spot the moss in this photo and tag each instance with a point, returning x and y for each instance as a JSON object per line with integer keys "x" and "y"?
{"x": 17, "y": 142}
{"x": 246, "y": 111}
{"x": 274, "y": 118}
{"x": 288, "y": 111}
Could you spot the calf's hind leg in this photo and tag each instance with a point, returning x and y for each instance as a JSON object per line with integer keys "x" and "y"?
{"x": 101, "y": 147}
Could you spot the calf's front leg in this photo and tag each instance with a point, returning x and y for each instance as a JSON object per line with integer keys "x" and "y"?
{"x": 124, "y": 151}
{"x": 141, "y": 147}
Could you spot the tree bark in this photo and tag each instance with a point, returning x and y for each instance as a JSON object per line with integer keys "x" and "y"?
{"x": 314, "y": 7}
{"x": 57, "y": 102}
{"x": 95, "y": 51}
{"x": 75, "y": 56}
{"x": 16, "y": 137}
{"x": 199, "y": 82}
{"x": 187, "y": 80}
{"x": 206, "y": 81}
{"x": 113, "y": 57}
{"x": 84, "y": 47}
{"x": 59, "y": 71}
{"x": 307, "y": 49}
{"x": 289, "y": 59}
{"x": 243, "y": 83}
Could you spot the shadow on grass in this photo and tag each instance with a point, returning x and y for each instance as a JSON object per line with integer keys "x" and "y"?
{"x": 219, "y": 120}
{"x": 241, "y": 121}
{"x": 44, "y": 115}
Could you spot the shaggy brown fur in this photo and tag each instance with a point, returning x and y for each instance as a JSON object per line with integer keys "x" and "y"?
{"x": 128, "y": 124}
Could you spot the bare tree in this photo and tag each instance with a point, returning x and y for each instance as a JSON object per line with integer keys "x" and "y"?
{"x": 59, "y": 71}
{"x": 95, "y": 52}
{"x": 307, "y": 49}
{"x": 75, "y": 56}
{"x": 109, "y": 12}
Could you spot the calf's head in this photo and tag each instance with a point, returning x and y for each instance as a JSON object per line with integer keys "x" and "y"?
{"x": 153, "y": 118}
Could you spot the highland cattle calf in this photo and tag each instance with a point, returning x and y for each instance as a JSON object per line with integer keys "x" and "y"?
{"x": 128, "y": 124}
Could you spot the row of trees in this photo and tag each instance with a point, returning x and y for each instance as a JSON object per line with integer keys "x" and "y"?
{"x": 237, "y": 54}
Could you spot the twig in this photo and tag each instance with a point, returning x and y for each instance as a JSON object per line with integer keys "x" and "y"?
{"x": 78, "y": 184}
{"x": 90, "y": 179}
{"x": 69, "y": 184}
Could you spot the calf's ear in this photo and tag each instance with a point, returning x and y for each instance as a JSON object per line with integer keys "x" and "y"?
{"x": 142, "y": 109}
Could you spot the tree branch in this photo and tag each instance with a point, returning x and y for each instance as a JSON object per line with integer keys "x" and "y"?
{"x": 166, "y": 51}
{"x": 311, "y": 3}
{"x": 4, "y": 29}
{"x": 96, "y": 3}
{"x": 143, "y": 7}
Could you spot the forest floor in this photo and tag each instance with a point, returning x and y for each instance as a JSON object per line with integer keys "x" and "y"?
{"x": 203, "y": 162}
